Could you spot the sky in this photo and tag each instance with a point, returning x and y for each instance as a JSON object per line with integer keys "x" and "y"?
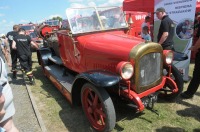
{"x": 25, "y": 11}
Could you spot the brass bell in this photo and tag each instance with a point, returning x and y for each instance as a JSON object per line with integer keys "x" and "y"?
{"x": 130, "y": 20}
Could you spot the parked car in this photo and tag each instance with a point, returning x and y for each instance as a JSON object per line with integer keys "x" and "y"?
{"x": 94, "y": 62}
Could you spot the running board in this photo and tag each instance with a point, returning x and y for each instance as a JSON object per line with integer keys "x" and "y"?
{"x": 56, "y": 60}
{"x": 55, "y": 74}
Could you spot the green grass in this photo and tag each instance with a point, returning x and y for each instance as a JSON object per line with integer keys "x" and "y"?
{"x": 59, "y": 115}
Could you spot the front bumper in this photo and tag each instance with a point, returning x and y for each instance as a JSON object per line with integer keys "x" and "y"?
{"x": 137, "y": 98}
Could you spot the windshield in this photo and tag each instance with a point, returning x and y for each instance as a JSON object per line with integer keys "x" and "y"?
{"x": 32, "y": 35}
{"x": 52, "y": 23}
{"x": 28, "y": 27}
{"x": 91, "y": 19}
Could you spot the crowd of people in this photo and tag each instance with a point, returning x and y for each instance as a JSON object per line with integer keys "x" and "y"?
{"x": 17, "y": 46}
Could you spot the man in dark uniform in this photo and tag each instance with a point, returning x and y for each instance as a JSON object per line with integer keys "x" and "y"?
{"x": 23, "y": 44}
{"x": 166, "y": 30}
{"x": 10, "y": 35}
{"x": 194, "y": 83}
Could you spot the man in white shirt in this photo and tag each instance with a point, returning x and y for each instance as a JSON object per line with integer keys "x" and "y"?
{"x": 145, "y": 23}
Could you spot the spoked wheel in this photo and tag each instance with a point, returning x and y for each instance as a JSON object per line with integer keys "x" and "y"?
{"x": 177, "y": 77}
{"x": 98, "y": 107}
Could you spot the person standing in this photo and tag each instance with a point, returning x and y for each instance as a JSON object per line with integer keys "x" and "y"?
{"x": 166, "y": 30}
{"x": 10, "y": 35}
{"x": 145, "y": 23}
{"x": 145, "y": 31}
{"x": 5, "y": 49}
{"x": 22, "y": 43}
{"x": 7, "y": 109}
{"x": 194, "y": 83}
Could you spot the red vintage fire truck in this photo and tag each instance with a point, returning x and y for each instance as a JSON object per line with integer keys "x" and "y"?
{"x": 94, "y": 61}
{"x": 29, "y": 28}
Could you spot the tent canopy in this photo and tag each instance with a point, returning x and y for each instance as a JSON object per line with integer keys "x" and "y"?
{"x": 198, "y": 6}
{"x": 145, "y": 5}
{"x": 138, "y": 5}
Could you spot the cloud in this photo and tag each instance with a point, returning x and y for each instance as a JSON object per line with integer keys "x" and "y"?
{"x": 6, "y": 26}
{"x": 1, "y": 15}
{"x": 4, "y": 7}
{"x": 3, "y": 21}
{"x": 77, "y": 5}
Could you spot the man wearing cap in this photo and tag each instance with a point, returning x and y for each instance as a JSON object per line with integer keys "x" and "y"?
{"x": 166, "y": 30}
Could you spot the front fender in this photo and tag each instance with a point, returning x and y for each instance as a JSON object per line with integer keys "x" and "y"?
{"x": 97, "y": 78}
{"x": 100, "y": 78}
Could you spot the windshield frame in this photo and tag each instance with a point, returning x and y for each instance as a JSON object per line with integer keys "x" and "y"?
{"x": 98, "y": 13}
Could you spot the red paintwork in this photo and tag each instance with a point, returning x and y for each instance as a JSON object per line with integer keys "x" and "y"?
{"x": 95, "y": 51}
{"x": 138, "y": 18}
{"x": 138, "y": 5}
{"x": 198, "y": 6}
{"x": 145, "y": 5}
{"x": 46, "y": 30}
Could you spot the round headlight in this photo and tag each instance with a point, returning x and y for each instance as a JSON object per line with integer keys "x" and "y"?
{"x": 126, "y": 70}
{"x": 169, "y": 57}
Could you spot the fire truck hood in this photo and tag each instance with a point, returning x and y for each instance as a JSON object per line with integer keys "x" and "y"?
{"x": 110, "y": 43}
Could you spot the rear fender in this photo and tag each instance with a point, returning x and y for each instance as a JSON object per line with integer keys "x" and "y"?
{"x": 100, "y": 79}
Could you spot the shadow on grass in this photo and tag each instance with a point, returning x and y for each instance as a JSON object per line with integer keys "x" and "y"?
{"x": 197, "y": 93}
{"x": 170, "y": 129}
{"x": 192, "y": 110}
{"x": 18, "y": 81}
{"x": 126, "y": 111}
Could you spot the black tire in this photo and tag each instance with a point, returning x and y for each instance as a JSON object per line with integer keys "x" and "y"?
{"x": 103, "y": 109}
{"x": 178, "y": 78}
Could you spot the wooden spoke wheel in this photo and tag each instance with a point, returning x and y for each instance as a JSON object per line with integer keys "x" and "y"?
{"x": 98, "y": 107}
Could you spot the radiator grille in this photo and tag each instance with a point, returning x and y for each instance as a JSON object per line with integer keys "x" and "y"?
{"x": 149, "y": 69}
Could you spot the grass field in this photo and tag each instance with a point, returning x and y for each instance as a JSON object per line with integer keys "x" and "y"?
{"x": 60, "y": 116}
